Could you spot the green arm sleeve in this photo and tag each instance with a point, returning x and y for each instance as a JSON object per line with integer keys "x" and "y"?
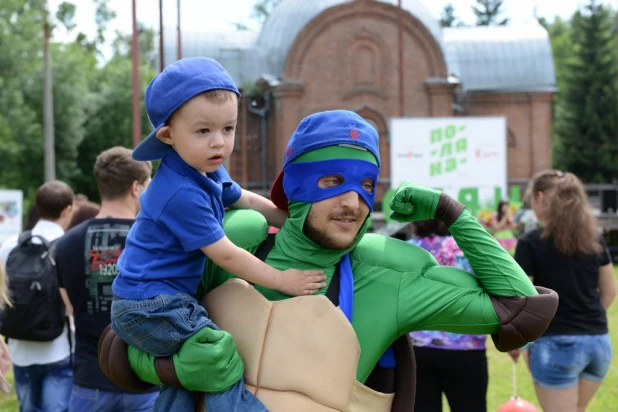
{"x": 497, "y": 271}
{"x": 406, "y": 281}
{"x": 445, "y": 298}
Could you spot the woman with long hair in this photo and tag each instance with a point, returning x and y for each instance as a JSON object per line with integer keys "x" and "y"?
{"x": 568, "y": 255}
{"x": 502, "y": 225}
{"x": 502, "y": 220}
{"x": 448, "y": 363}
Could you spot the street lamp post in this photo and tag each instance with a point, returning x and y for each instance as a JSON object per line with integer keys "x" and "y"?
{"x": 48, "y": 104}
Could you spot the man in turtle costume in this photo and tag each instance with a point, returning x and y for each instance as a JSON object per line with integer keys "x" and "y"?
{"x": 301, "y": 353}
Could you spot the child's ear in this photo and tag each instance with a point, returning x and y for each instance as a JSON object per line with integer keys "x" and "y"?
{"x": 164, "y": 134}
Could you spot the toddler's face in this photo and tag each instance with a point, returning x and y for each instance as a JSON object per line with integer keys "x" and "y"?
{"x": 202, "y": 132}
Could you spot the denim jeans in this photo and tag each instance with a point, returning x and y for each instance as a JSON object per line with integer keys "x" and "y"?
{"x": 44, "y": 388}
{"x": 87, "y": 399}
{"x": 558, "y": 362}
{"x": 160, "y": 326}
{"x": 235, "y": 399}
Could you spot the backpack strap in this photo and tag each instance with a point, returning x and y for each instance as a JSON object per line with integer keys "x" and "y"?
{"x": 27, "y": 236}
{"x": 24, "y": 237}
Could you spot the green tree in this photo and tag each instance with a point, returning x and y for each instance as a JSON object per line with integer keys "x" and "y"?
{"x": 102, "y": 16}
{"x": 562, "y": 49}
{"x": 21, "y": 134}
{"x": 586, "y": 124}
{"x": 92, "y": 102}
{"x": 448, "y": 17}
{"x": 263, "y": 8}
{"x": 488, "y": 13}
{"x": 109, "y": 121}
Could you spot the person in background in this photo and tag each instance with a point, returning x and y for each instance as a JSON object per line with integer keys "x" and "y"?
{"x": 5, "y": 356}
{"x": 42, "y": 370}
{"x": 86, "y": 259}
{"x": 448, "y": 363}
{"x": 525, "y": 220}
{"x": 33, "y": 217}
{"x": 568, "y": 254}
{"x": 84, "y": 210}
{"x": 502, "y": 227}
{"x": 502, "y": 220}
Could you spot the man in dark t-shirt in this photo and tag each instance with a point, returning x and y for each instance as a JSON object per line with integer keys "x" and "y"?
{"x": 86, "y": 258}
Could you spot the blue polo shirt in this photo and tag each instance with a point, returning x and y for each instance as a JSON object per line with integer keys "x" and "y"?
{"x": 181, "y": 211}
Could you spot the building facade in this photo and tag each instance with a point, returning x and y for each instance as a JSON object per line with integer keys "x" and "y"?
{"x": 344, "y": 54}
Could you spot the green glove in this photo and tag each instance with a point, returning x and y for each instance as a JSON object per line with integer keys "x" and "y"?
{"x": 207, "y": 362}
{"x": 143, "y": 364}
{"x": 413, "y": 202}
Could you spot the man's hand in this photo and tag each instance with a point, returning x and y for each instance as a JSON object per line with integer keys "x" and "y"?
{"x": 296, "y": 282}
{"x": 412, "y": 203}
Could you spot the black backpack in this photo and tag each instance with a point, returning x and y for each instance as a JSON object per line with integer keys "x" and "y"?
{"x": 38, "y": 312}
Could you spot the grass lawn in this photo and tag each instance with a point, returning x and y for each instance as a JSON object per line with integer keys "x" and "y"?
{"x": 500, "y": 378}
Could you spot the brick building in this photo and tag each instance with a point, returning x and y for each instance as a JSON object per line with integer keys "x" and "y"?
{"x": 343, "y": 54}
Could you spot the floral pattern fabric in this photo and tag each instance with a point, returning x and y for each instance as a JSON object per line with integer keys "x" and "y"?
{"x": 447, "y": 253}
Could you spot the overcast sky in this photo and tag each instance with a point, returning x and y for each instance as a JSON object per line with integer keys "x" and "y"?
{"x": 220, "y": 15}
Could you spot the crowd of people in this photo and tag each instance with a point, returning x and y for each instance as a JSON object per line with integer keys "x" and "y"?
{"x": 149, "y": 256}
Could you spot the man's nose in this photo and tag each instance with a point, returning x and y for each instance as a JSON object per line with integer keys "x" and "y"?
{"x": 350, "y": 199}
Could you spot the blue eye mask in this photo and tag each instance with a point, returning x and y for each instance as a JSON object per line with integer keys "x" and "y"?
{"x": 300, "y": 179}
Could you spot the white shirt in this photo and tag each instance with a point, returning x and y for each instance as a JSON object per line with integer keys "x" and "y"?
{"x": 25, "y": 352}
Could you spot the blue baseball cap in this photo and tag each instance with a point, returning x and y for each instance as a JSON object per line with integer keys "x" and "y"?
{"x": 174, "y": 86}
{"x": 330, "y": 128}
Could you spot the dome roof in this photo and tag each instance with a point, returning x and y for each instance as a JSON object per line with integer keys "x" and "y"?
{"x": 291, "y": 16}
{"x": 501, "y": 58}
{"x": 484, "y": 58}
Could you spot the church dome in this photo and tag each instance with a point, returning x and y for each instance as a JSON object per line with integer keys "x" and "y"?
{"x": 291, "y": 16}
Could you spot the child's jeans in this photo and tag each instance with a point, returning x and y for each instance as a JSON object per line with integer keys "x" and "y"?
{"x": 160, "y": 326}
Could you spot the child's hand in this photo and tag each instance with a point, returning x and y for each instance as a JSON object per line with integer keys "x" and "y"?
{"x": 296, "y": 282}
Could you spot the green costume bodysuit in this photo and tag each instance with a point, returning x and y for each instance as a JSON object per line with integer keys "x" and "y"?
{"x": 398, "y": 287}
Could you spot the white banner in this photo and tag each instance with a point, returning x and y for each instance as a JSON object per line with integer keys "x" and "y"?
{"x": 11, "y": 206}
{"x": 464, "y": 156}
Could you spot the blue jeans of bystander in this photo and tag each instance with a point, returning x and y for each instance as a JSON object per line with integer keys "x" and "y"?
{"x": 44, "y": 388}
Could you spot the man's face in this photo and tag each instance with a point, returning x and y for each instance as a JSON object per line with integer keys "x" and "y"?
{"x": 334, "y": 223}
{"x": 202, "y": 132}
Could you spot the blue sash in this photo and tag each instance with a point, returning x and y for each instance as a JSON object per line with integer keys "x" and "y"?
{"x": 346, "y": 304}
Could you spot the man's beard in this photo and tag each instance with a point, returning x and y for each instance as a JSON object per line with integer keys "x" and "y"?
{"x": 321, "y": 237}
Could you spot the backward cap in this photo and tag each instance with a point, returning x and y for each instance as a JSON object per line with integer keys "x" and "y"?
{"x": 174, "y": 86}
{"x": 332, "y": 128}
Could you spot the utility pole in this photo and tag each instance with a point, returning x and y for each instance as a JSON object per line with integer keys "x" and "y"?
{"x": 137, "y": 119}
{"x": 48, "y": 102}
{"x": 179, "y": 35}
